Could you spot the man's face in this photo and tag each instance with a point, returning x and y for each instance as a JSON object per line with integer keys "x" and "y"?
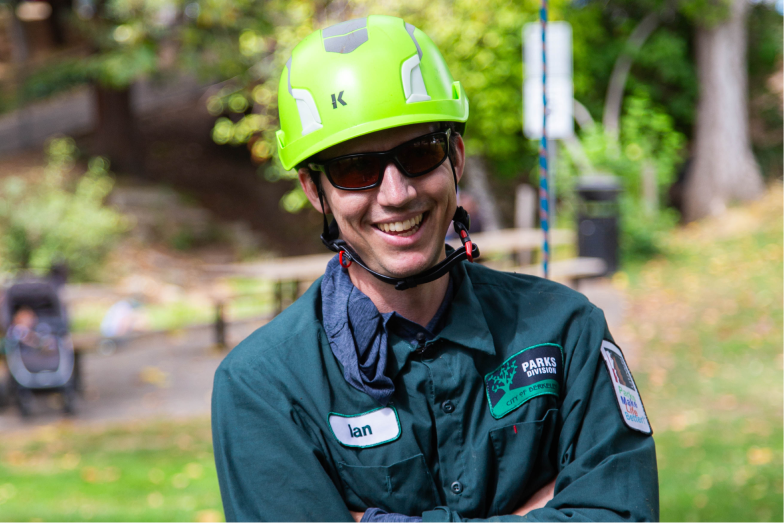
{"x": 398, "y": 228}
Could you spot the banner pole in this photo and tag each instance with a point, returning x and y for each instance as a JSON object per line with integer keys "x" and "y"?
{"x": 544, "y": 203}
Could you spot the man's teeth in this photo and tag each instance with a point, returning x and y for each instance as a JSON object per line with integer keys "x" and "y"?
{"x": 405, "y": 225}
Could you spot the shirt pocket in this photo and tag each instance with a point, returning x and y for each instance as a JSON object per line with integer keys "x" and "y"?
{"x": 524, "y": 464}
{"x": 405, "y": 487}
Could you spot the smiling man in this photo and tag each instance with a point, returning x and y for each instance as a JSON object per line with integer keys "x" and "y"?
{"x": 408, "y": 383}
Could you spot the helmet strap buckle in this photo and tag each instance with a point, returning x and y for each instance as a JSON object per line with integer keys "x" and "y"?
{"x": 344, "y": 262}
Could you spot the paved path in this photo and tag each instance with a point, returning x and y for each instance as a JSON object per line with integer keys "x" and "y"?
{"x": 602, "y": 294}
{"x": 168, "y": 376}
{"x": 171, "y": 376}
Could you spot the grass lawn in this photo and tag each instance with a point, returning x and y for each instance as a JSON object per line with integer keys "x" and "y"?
{"x": 707, "y": 328}
{"x": 153, "y": 471}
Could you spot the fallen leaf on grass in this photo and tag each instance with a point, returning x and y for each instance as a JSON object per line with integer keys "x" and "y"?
{"x": 207, "y": 516}
{"x": 759, "y": 456}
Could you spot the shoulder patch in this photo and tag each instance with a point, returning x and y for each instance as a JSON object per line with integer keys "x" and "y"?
{"x": 368, "y": 429}
{"x": 629, "y": 400}
{"x": 531, "y": 372}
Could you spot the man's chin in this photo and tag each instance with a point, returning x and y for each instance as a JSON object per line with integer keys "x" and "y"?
{"x": 411, "y": 266}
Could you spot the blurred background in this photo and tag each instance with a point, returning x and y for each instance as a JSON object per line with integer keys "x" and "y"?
{"x": 146, "y": 227}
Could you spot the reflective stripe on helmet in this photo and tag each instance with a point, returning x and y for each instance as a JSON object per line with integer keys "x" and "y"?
{"x": 345, "y": 37}
{"x": 413, "y": 83}
{"x": 306, "y": 106}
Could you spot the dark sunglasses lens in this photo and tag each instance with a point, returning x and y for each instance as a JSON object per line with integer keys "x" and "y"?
{"x": 422, "y": 156}
{"x": 355, "y": 172}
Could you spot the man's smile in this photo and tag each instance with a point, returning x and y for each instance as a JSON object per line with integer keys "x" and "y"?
{"x": 405, "y": 227}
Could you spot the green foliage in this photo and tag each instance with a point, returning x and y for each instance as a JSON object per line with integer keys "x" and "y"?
{"x": 56, "y": 77}
{"x": 765, "y": 40}
{"x": 126, "y": 34}
{"x": 119, "y": 68}
{"x": 44, "y": 222}
{"x": 705, "y": 13}
{"x": 665, "y": 70}
{"x": 664, "y": 67}
{"x": 648, "y": 146}
{"x": 767, "y": 117}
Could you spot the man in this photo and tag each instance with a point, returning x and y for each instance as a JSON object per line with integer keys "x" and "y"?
{"x": 409, "y": 383}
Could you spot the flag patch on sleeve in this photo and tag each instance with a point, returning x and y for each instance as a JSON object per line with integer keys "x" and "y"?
{"x": 629, "y": 401}
{"x": 530, "y": 373}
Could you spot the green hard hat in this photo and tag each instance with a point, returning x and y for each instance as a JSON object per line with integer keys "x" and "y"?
{"x": 359, "y": 77}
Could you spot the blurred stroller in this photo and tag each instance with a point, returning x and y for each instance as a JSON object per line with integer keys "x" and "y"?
{"x": 38, "y": 348}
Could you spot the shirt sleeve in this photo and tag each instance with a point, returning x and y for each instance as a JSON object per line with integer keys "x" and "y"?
{"x": 607, "y": 471}
{"x": 269, "y": 466}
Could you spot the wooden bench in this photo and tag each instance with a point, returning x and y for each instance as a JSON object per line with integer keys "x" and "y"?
{"x": 508, "y": 241}
{"x": 569, "y": 271}
{"x": 294, "y": 271}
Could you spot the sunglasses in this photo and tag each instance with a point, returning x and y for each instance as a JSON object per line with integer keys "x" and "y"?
{"x": 356, "y": 172}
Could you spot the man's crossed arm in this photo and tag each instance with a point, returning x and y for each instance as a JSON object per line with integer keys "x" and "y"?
{"x": 538, "y": 500}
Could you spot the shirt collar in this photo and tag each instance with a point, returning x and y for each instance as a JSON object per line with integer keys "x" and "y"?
{"x": 464, "y": 325}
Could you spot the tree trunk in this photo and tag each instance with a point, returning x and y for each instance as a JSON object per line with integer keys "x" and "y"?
{"x": 20, "y": 51}
{"x": 116, "y": 132}
{"x": 724, "y": 167}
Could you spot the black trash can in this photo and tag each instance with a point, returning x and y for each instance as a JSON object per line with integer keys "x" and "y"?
{"x": 598, "y": 219}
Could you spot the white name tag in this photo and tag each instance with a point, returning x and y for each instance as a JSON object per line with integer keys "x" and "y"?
{"x": 626, "y": 392}
{"x": 366, "y": 430}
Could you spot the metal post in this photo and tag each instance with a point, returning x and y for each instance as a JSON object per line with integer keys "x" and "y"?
{"x": 220, "y": 326}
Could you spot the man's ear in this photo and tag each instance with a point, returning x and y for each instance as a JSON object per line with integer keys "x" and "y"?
{"x": 459, "y": 157}
{"x": 311, "y": 191}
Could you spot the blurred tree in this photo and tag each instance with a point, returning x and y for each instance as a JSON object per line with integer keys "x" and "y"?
{"x": 125, "y": 36}
{"x": 642, "y": 41}
{"x": 52, "y": 220}
{"x": 724, "y": 167}
{"x": 620, "y": 46}
{"x": 135, "y": 39}
{"x": 714, "y": 80}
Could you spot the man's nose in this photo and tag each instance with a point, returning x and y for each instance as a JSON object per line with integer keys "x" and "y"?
{"x": 396, "y": 189}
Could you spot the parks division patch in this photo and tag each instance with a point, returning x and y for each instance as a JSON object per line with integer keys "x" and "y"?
{"x": 530, "y": 373}
{"x": 629, "y": 401}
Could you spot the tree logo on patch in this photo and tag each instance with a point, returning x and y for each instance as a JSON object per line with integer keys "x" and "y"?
{"x": 530, "y": 373}
{"x": 502, "y": 379}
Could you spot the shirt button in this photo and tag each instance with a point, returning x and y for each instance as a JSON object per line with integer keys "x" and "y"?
{"x": 448, "y": 407}
{"x": 457, "y": 487}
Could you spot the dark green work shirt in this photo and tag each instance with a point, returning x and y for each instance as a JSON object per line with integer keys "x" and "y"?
{"x": 280, "y": 401}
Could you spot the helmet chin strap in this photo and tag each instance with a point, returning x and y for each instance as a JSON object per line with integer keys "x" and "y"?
{"x": 462, "y": 222}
